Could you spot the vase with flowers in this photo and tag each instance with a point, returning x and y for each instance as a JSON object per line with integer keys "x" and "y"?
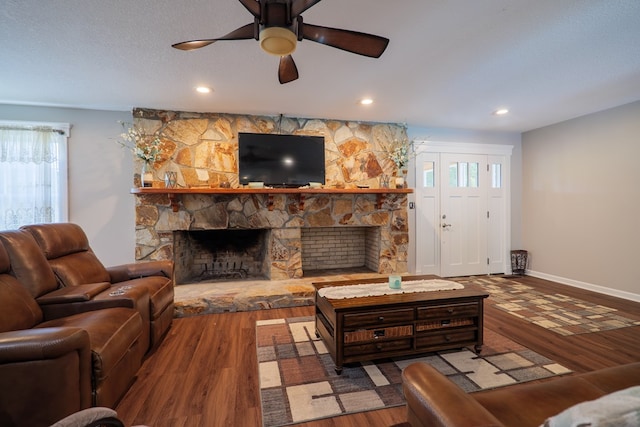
{"x": 145, "y": 147}
{"x": 400, "y": 151}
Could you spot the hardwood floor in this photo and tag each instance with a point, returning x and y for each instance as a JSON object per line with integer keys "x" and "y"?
{"x": 205, "y": 371}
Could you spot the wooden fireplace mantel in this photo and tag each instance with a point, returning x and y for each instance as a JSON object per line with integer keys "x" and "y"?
{"x": 174, "y": 193}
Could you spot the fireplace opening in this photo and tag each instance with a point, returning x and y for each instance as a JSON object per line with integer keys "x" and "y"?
{"x": 340, "y": 250}
{"x": 219, "y": 255}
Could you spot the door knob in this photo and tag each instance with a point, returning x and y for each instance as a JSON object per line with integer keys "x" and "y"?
{"x": 445, "y": 225}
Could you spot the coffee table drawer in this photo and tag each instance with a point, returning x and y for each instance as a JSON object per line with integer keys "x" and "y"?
{"x": 377, "y": 347}
{"x": 445, "y": 338}
{"x": 372, "y": 318}
{"x": 449, "y": 310}
{"x": 362, "y": 335}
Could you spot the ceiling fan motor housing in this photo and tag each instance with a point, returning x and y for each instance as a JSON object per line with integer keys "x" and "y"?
{"x": 278, "y": 35}
{"x": 278, "y": 41}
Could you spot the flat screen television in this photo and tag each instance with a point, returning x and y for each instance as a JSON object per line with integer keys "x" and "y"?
{"x": 280, "y": 160}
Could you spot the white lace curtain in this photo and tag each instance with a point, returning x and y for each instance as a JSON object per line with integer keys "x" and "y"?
{"x": 32, "y": 175}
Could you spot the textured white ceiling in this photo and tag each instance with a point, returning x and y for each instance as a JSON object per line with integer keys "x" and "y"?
{"x": 450, "y": 63}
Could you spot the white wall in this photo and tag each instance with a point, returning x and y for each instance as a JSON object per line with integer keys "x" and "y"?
{"x": 100, "y": 176}
{"x": 581, "y": 201}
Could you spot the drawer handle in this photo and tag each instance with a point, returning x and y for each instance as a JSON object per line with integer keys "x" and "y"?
{"x": 381, "y": 319}
{"x": 379, "y": 347}
{"x": 447, "y": 338}
{"x": 450, "y": 311}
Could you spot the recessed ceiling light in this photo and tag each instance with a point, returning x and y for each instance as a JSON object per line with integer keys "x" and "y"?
{"x": 203, "y": 89}
{"x": 366, "y": 101}
{"x": 501, "y": 112}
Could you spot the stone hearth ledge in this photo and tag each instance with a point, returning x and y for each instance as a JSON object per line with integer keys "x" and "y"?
{"x": 224, "y": 297}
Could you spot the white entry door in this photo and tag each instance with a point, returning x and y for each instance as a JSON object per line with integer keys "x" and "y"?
{"x": 463, "y": 214}
{"x": 461, "y": 209}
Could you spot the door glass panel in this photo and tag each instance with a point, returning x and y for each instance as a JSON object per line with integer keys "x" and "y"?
{"x": 427, "y": 175}
{"x": 453, "y": 174}
{"x": 463, "y": 174}
{"x": 473, "y": 175}
{"x": 496, "y": 175}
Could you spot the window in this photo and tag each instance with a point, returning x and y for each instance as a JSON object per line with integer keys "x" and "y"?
{"x": 33, "y": 173}
{"x": 496, "y": 175}
{"x": 462, "y": 174}
{"x": 428, "y": 178}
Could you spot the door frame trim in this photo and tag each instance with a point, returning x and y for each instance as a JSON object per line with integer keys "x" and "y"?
{"x": 462, "y": 148}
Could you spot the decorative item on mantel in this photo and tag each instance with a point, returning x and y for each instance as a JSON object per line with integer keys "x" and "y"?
{"x": 143, "y": 146}
{"x": 170, "y": 179}
{"x": 400, "y": 151}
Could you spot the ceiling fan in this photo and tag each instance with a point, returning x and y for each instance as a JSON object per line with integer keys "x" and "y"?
{"x": 278, "y": 26}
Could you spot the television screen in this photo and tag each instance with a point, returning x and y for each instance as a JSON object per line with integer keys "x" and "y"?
{"x": 280, "y": 160}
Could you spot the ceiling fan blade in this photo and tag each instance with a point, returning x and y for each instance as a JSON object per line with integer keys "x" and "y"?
{"x": 287, "y": 70}
{"x": 252, "y": 6}
{"x": 242, "y": 33}
{"x": 299, "y": 6}
{"x": 351, "y": 41}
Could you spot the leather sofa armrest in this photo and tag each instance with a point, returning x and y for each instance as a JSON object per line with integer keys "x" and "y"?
{"x": 42, "y": 343}
{"x": 70, "y": 294}
{"x": 433, "y": 400}
{"x": 50, "y": 366}
{"x": 56, "y": 311}
{"x": 121, "y": 273}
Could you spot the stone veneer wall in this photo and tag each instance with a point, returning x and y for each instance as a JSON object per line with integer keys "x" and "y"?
{"x": 202, "y": 148}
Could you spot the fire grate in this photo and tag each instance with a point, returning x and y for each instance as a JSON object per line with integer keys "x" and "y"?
{"x": 224, "y": 270}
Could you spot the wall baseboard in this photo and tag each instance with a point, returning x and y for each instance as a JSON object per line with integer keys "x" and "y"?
{"x": 585, "y": 285}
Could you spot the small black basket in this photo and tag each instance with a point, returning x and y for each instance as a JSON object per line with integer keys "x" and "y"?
{"x": 519, "y": 260}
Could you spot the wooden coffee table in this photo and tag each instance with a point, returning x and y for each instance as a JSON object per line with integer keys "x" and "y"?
{"x": 375, "y": 327}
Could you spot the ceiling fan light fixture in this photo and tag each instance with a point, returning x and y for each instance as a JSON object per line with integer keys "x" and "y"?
{"x": 278, "y": 41}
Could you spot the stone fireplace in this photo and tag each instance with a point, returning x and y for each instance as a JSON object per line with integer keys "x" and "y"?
{"x": 365, "y": 226}
{"x": 379, "y": 222}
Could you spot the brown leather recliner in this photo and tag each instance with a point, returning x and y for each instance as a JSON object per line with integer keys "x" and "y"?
{"x": 50, "y": 368}
{"x": 66, "y": 247}
{"x": 33, "y": 271}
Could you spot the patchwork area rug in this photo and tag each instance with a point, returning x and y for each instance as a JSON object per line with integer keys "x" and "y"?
{"x": 298, "y": 382}
{"x": 556, "y": 312}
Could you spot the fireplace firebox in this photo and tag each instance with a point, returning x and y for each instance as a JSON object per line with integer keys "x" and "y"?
{"x": 210, "y": 255}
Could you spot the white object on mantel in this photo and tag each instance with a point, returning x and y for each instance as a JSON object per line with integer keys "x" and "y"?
{"x": 377, "y": 289}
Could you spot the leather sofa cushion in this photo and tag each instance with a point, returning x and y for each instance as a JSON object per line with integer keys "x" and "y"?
{"x": 19, "y": 309}
{"x": 58, "y": 240}
{"x": 28, "y": 263}
{"x": 112, "y": 332}
{"x": 66, "y": 246}
{"x": 79, "y": 268}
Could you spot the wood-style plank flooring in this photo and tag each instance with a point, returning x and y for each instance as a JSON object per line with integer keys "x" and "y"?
{"x": 205, "y": 371}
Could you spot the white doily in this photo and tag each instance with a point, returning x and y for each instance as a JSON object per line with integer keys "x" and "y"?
{"x": 377, "y": 289}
